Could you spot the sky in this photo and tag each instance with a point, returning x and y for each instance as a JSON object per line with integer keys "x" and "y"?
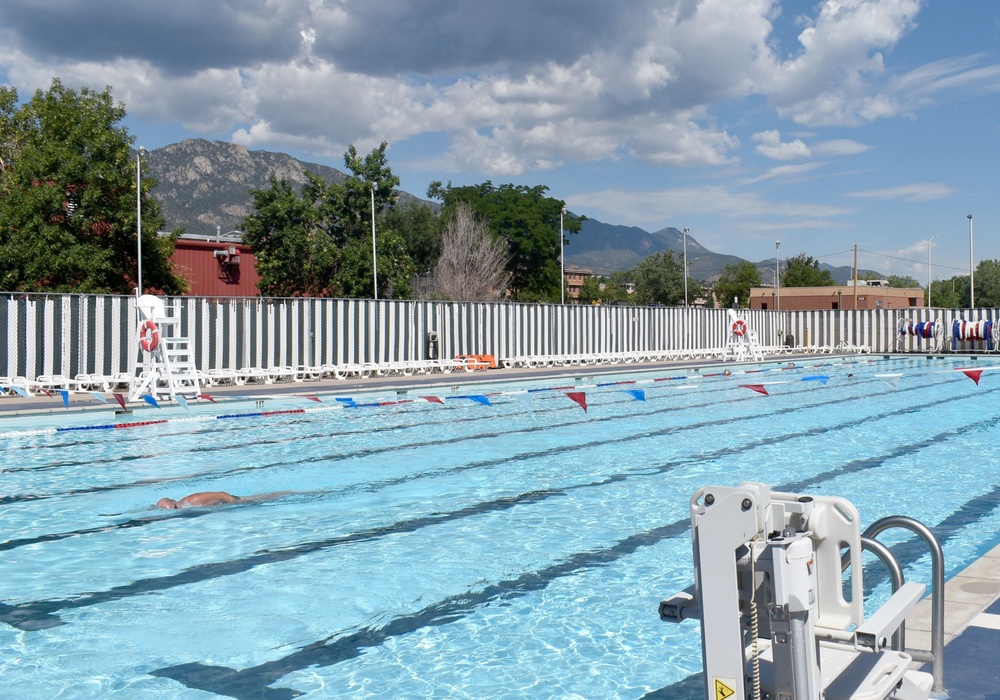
{"x": 824, "y": 125}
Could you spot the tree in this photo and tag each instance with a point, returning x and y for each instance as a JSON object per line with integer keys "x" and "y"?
{"x": 803, "y": 271}
{"x": 903, "y": 282}
{"x": 735, "y": 282}
{"x": 659, "y": 279}
{"x": 473, "y": 262}
{"x": 528, "y": 222}
{"x": 988, "y": 283}
{"x": 419, "y": 227}
{"x": 68, "y": 198}
{"x": 951, "y": 293}
{"x": 319, "y": 243}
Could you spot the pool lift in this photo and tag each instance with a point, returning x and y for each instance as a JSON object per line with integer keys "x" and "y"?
{"x": 743, "y": 342}
{"x": 771, "y": 572}
{"x": 167, "y": 366}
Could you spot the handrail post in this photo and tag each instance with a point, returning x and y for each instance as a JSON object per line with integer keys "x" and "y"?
{"x": 937, "y": 586}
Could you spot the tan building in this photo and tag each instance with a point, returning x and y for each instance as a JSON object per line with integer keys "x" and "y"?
{"x": 869, "y": 296}
{"x": 575, "y": 277}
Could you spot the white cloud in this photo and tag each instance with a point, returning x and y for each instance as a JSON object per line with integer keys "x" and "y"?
{"x": 917, "y": 192}
{"x": 772, "y": 147}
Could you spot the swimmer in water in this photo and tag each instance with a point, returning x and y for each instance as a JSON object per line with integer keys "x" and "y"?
{"x": 214, "y": 498}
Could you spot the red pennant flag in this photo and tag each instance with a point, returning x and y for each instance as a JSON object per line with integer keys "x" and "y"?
{"x": 314, "y": 398}
{"x": 206, "y": 397}
{"x": 432, "y": 399}
{"x": 973, "y": 374}
{"x": 580, "y": 397}
{"x": 759, "y": 388}
{"x": 121, "y": 401}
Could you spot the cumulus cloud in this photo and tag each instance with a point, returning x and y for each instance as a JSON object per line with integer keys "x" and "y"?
{"x": 512, "y": 87}
{"x": 771, "y": 146}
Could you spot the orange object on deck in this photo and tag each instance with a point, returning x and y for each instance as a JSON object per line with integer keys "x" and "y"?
{"x": 474, "y": 361}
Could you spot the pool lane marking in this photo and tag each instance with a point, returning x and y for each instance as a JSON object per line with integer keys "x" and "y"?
{"x": 460, "y": 439}
{"x": 350, "y": 403}
{"x": 255, "y": 681}
{"x": 431, "y": 443}
{"x": 40, "y": 614}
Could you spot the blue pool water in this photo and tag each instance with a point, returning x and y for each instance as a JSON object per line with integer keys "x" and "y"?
{"x": 467, "y": 547}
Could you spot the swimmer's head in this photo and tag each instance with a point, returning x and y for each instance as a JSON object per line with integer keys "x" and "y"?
{"x": 168, "y": 503}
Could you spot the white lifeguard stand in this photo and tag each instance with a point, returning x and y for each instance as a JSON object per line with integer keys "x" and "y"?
{"x": 743, "y": 341}
{"x": 167, "y": 366}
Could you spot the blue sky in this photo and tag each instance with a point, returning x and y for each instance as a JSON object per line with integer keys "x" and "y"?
{"x": 820, "y": 124}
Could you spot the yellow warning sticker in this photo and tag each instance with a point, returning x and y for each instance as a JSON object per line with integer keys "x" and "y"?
{"x": 724, "y": 688}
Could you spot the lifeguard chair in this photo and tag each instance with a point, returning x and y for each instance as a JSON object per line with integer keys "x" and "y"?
{"x": 778, "y": 590}
{"x": 743, "y": 342}
{"x": 166, "y": 368}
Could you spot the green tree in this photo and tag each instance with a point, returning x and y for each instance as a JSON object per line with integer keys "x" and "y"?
{"x": 988, "y": 283}
{"x": 951, "y": 293}
{"x": 735, "y": 282}
{"x": 903, "y": 282}
{"x": 319, "y": 243}
{"x": 803, "y": 271}
{"x": 659, "y": 279}
{"x": 528, "y": 221}
{"x": 68, "y": 198}
{"x": 604, "y": 290}
{"x": 420, "y": 228}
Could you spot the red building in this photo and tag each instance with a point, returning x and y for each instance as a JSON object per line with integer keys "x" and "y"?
{"x": 216, "y": 266}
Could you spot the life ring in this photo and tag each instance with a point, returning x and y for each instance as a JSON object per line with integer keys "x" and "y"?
{"x": 149, "y": 336}
{"x": 739, "y": 327}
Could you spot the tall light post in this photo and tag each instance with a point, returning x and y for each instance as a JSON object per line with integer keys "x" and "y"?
{"x": 138, "y": 215}
{"x": 374, "y": 257}
{"x": 562, "y": 262}
{"x": 686, "y": 229}
{"x": 777, "y": 271}
{"x": 972, "y": 279}
{"x": 930, "y": 245}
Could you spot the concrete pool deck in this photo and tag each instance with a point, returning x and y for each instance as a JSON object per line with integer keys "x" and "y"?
{"x": 972, "y": 597}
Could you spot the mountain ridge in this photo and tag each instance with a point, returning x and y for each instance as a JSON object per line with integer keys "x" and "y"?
{"x": 204, "y": 186}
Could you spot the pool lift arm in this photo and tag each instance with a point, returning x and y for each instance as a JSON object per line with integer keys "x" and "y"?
{"x": 770, "y": 593}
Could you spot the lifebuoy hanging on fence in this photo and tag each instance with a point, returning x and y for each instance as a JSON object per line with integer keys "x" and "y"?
{"x": 149, "y": 336}
{"x": 739, "y": 327}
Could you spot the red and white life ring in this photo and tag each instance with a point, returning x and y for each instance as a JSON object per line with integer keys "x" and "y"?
{"x": 739, "y": 327}
{"x": 149, "y": 336}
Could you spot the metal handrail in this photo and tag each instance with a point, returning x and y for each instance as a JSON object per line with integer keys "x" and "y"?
{"x": 896, "y": 571}
{"x": 937, "y": 586}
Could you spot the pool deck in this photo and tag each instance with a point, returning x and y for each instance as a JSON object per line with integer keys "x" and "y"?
{"x": 972, "y": 598}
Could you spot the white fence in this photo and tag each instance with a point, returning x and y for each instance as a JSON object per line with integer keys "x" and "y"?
{"x": 73, "y": 334}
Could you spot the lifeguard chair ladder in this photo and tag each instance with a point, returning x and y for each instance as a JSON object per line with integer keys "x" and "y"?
{"x": 743, "y": 342}
{"x": 167, "y": 369}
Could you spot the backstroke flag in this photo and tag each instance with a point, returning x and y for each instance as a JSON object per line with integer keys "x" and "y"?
{"x": 580, "y": 397}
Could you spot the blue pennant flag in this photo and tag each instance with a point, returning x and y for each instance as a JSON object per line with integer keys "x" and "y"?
{"x": 65, "y": 396}
{"x": 479, "y": 398}
{"x": 99, "y": 396}
{"x": 348, "y": 403}
{"x": 151, "y": 400}
{"x": 637, "y": 394}
{"x": 183, "y": 402}
{"x": 821, "y": 378}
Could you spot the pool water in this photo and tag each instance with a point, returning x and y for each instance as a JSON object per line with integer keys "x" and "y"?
{"x": 491, "y": 542}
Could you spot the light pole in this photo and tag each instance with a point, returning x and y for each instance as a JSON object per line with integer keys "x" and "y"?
{"x": 686, "y": 229}
{"x": 930, "y": 245}
{"x": 777, "y": 284}
{"x": 972, "y": 280}
{"x": 562, "y": 263}
{"x": 374, "y": 257}
{"x": 138, "y": 215}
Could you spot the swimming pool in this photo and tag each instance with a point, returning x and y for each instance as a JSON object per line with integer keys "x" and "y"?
{"x": 458, "y": 542}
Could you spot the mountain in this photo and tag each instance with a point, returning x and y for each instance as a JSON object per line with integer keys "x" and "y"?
{"x": 605, "y": 248}
{"x": 205, "y": 187}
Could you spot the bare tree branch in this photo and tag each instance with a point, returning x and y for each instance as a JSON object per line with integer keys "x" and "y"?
{"x": 473, "y": 262}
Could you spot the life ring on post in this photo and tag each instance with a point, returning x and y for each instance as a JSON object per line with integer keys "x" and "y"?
{"x": 739, "y": 327}
{"x": 149, "y": 336}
